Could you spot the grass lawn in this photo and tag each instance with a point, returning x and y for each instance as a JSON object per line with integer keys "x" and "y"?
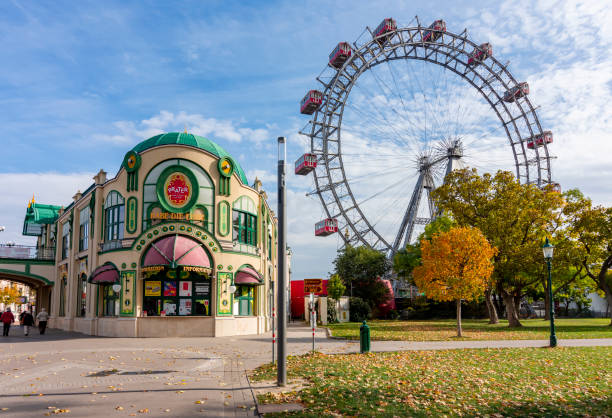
{"x": 574, "y": 381}
{"x": 475, "y": 329}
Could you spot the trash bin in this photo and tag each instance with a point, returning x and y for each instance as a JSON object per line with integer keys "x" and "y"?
{"x": 364, "y": 338}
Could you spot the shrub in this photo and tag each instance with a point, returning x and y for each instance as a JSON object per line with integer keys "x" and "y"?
{"x": 359, "y": 310}
{"x": 332, "y": 315}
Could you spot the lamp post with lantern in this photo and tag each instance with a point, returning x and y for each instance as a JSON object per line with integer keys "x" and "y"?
{"x": 547, "y": 249}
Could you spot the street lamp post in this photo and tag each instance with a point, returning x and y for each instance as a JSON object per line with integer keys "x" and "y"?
{"x": 547, "y": 249}
{"x": 282, "y": 258}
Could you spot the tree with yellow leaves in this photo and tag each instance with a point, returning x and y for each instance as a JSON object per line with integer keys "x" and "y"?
{"x": 9, "y": 295}
{"x": 456, "y": 265}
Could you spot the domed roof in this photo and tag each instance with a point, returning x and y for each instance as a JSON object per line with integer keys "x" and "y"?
{"x": 181, "y": 138}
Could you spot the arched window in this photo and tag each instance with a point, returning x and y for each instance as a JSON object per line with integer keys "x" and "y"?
{"x": 62, "y": 296}
{"x": 82, "y": 295}
{"x": 153, "y": 213}
{"x": 114, "y": 216}
{"x": 244, "y": 220}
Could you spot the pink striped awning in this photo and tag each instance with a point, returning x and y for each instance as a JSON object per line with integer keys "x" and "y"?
{"x": 248, "y": 275}
{"x": 177, "y": 250}
{"x": 105, "y": 274}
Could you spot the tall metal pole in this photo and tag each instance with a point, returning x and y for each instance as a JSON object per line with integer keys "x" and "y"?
{"x": 553, "y": 336}
{"x": 282, "y": 253}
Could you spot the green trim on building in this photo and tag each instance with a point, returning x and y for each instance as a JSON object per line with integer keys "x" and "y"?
{"x": 224, "y": 217}
{"x": 181, "y": 138}
{"x": 25, "y": 262}
{"x": 161, "y": 193}
{"x": 28, "y": 275}
{"x": 130, "y": 310}
{"x": 131, "y": 218}
{"x": 38, "y": 215}
{"x": 229, "y": 298}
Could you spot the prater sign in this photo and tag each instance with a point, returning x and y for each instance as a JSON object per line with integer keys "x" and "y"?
{"x": 177, "y": 189}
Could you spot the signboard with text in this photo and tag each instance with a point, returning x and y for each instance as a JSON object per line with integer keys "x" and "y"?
{"x": 313, "y": 286}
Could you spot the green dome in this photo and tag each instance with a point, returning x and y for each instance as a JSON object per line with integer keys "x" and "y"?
{"x": 181, "y": 138}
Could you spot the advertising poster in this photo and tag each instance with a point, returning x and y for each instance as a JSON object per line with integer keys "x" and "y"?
{"x": 185, "y": 307}
{"x": 202, "y": 289}
{"x": 169, "y": 307}
{"x": 169, "y": 289}
{"x": 153, "y": 288}
{"x": 184, "y": 288}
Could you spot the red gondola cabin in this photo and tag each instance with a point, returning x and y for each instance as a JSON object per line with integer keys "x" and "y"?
{"x": 383, "y": 31}
{"x": 520, "y": 90}
{"x": 545, "y": 137}
{"x": 480, "y": 53}
{"x": 305, "y": 164}
{"x": 311, "y": 102}
{"x": 326, "y": 227}
{"x": 430, "y": 35}
{"x": 340, "y": 54}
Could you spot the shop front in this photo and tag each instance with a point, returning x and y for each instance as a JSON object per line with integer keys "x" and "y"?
{"x": 177, "y": 244}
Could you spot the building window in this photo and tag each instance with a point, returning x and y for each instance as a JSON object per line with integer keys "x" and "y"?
{"x": 82, "y": 296}
{"x": 65, "y": 240}
{"x": 62, "y": 297}
{"x": 84, "y": 229}
{"x": 270, "y": 247}
{"x": 188, "y": 295}
{"x": 244, "y": 299}
{"x": 110, "y": 301}
{"x": 114, "y": 217}
{"x": 245, "y": 227}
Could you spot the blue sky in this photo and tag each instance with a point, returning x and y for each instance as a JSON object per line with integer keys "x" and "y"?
{"x": 82, "y": 82}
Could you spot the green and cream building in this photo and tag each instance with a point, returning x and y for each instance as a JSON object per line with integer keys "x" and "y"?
{"x": 176, "y": 244}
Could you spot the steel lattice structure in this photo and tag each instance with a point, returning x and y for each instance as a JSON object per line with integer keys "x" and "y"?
{"x": 490, "y": 78}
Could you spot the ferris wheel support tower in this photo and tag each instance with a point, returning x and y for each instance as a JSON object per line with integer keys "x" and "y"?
{"x": 425, "y": 184}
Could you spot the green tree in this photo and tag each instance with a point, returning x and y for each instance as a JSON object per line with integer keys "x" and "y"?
{"x": 513, "y": 217}
{"x": 360, "y": 268}
{"x": 591, "y": 227}
{"x": 335, "y": 287}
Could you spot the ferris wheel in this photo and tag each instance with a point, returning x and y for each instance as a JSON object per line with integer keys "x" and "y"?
{"x": 400, "y": 108}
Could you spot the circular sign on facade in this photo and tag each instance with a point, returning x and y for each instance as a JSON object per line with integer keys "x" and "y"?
{"x": 177, "y": 189}
{"x": 226, "y": 166}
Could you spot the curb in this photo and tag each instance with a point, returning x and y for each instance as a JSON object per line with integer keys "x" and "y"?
{"x": 257, "y": 413}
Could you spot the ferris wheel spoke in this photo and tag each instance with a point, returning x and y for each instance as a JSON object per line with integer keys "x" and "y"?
{"x": 406, "y": 114}
{"x": 404, "y": 141}
{"x": 380, "y": 84}
{"x": 379, "y": 121}
{"x": 379, "y": 126}
{"x": 376, "y": 125}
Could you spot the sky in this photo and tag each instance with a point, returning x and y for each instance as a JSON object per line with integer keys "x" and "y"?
{"x": 82, "y": 82}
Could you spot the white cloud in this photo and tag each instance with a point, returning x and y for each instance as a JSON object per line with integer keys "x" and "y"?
{"x": 127, "y": 132}
{"x": 51, "y": 188}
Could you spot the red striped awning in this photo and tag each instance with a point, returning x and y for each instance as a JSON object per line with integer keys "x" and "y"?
{"x": 105, "y": 274}
{"x": 248, "y": 275}
{"x": 177, "y": 250}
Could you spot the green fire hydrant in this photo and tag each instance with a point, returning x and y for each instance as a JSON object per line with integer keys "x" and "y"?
{"x": 364, "y": 338}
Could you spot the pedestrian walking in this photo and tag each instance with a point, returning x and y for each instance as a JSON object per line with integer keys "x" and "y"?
{"x": 7, "y": 319}
{"x": 28, "y": 321}
{"x": 42, "y": 319}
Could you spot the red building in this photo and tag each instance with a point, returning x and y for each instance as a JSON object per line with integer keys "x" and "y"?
{"x": 298, "y": 294}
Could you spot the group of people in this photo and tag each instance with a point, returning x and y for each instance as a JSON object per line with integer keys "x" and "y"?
{"x": 26, "y": 319}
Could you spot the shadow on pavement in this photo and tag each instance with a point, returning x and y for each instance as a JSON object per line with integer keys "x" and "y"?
{"x": 51, "y": 334}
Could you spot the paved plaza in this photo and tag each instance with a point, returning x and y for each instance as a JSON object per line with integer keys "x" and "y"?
{"x": 95, "y": 377}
